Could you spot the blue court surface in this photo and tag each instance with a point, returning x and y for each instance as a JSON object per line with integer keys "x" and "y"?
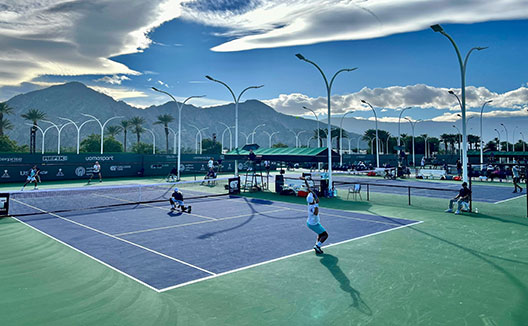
{"x": 164, "y": 250}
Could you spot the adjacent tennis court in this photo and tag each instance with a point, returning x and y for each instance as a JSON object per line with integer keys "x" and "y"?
{"x": 163, "y": 249}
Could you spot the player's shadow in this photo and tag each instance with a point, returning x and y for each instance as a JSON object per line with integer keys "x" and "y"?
{"x": 174, "y": 213}
{"x": 331, "y": 263}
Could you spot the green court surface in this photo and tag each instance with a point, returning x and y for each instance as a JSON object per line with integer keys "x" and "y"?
{"x": 470, "y": 269}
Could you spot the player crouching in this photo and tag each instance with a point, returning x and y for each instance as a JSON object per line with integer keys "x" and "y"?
{"x": 176, "y": 201}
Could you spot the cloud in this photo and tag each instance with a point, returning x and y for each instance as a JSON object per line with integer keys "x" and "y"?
{"x": 114, "y": 80}
{"x": 163, "y": 84}
{"x": 277, "y": 23}
{"x": 119, "y": 93}
{"x": 396, "y": 97}
{"x": 71, "y": 38}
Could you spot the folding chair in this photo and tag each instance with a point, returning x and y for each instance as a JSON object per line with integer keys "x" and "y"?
{"x": 355, "y": 190}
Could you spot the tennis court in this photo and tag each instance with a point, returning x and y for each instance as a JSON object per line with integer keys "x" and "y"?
{"x": 163, "y": 249}
{"x": 247, "y": 260}
{"x": 482, "y": 192}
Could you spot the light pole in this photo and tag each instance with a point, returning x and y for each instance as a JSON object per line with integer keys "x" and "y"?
{"x": 498, "y": 137}
{"x": 297, "y": 137}
{"x": 102, "y": 126}
{"x": 463, "y": 65}
{"x": 153, "y": 140}
{"x": 76, "y": 127}
{"x": 425, "y": 147}
{"x": 43, "y": 132}
{"x": 236, "y": 99}
{"x": 180, "y": 107}
{"x": 349, "y": 148}
{"x": 247, "y": 137}
{"x": 524, "y": 143}
{"x": 458, "y": 136}
{"x": 230, "y": 135}
{"x": 399, "y": 135}
{"x": 357, "y": 147}
{"x": 276, "y": 132}
{"x": 513, "y": 138}
{"x": 174, "y": 140}
{"x": 413, "y": 124}
{"x": 316, "y": 118}
{"x": 482, "y": 141}
{"x": 377, "y": 139}
{"x": 341, "y": 138}
{"x": 329, "y": 128}
{"x": 506, "y": 132}
{"x": 254, "y": 132}
{"x": 198, "y": 134}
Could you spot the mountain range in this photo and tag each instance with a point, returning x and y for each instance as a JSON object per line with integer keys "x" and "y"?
{"x": 72, "y": 99}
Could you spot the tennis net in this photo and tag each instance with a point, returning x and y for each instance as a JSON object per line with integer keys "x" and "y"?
{"x": 32, "y": 202}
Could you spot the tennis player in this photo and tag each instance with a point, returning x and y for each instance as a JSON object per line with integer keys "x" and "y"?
{"x": 313, "y": 222}
{"x": 32, "y": 177}
{"x": 176, "y": 201}
{"x": 96, "y": 170}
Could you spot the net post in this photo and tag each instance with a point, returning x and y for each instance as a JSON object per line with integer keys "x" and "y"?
{"x": 470, "y": 196}
{"x": 526, "y": 185}
{"x": 409, "y": 194}
{"x": 368, "y": 192}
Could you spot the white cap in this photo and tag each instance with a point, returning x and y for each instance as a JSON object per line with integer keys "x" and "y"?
{"x": 310, "y": 198}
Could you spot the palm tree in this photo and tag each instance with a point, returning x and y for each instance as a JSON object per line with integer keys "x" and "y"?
{"x": 113, "y": 130}
{"x": 125, "y": 124}
{"x": 164, "y": 120}
{"x": 136, "y": 122}
{"x": 34, "y": 116}
{"x": 5, "y": 124}
{"x": 445, "y": 139}
{"x": 473, "y": 141}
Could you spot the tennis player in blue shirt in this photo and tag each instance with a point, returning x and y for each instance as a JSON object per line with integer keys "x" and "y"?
{"x": 313, "y": 221}
{"x": 32, "y": 177}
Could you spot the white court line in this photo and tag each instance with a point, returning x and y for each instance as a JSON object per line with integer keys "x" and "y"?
{"x": 120, "y": 239}
{"x": 194, "y": 223}
{"x": 87, "y": 255}
{"x": 153, "y": 206}
{"x": 281, "y": 258}
{"x": 348, "y": 217}
{"x": 506, "y": 200}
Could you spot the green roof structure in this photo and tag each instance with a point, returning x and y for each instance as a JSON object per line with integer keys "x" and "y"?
{"x": 286, "y": 154}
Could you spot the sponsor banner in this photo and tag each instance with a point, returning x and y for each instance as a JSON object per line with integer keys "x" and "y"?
{"x": 4, "y": 159}
{"x": 15, "y": 168}
{"x": 54, "y": 158}
{"x": 4, "y": 204}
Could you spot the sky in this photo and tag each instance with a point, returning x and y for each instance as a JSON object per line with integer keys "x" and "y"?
{"x": 124, "y": 47}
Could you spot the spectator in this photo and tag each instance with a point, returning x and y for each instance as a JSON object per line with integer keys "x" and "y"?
{"x": 459, "y": 167}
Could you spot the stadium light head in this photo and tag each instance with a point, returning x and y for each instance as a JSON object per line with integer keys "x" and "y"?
{"x": 437, "y": 28}
{"x": 209, "y": 77}
{"x": 451, "y": 92}
{"x": 480, "y": 48}
{"x": 154, "y": 88}
{"x": 363, "y": 101}
{"x": 300, "y": 56}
